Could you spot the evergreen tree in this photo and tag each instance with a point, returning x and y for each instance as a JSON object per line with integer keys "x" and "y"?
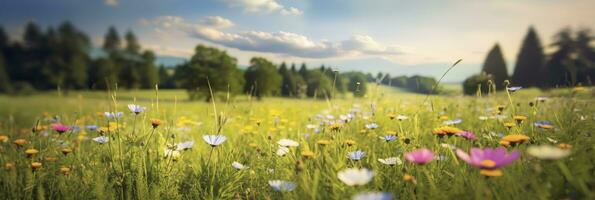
{"x": 495, "y": 66}
{"x": 103, "y": 74}
{"x": 149, "y": 76}
{"x": 303, "y": 71}
{"x": 288, "y": 85}
{"x": 557, "y": 72}
{"x": 262, "y": 78}
{"x": 293, "y": 69}
{"x": 4, "y": 40}
{"x": 74, "y": 46}
{"x": 111, "y": 42}
{"x": 132, "y": 46}
{"x": 5, "y": 85}
{"x": 166, "y": 78}
{"x": 529, "y": 62}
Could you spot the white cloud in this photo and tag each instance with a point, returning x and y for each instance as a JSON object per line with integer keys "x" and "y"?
{"x": 282, "y": 43}
{"x": 111, "y": 2}
{"x": 216, "y": 22}
{"x": 263, "y": 6}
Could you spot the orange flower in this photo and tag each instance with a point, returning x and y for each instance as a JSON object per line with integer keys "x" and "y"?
{"x": 513, "y": 139}
{"x": 350, "y": 142}
{"x": 3, "y": 138}
{"x": 31, "y": 152}
{"x": 65, "y": 170}
{"x": 564, "y": 146}
{"x": 323, "y": 142}
{"x": 155, "y": 123}
{"x": 36, "y": 165}
{"x": 20, "y": 142}
{"x": 66, "y": 151}
{"x": 446, "y": 130}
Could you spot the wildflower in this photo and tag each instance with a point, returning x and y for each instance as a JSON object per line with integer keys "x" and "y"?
{"x": 3, "y": 138}
{"x": 253, "y": 145}
{"x": 564, "y": 146}
{"x": 356, "y": 155}
{"x": 91, "y": 127}
{"x": 282, "y": 186}
{"x": 547, "y": 152}
{"x": 307, "y": 154}
{"x": 155, "y": 123}
{"x": 281, "y": 151}
{"x": 500, "y": 108}
{"x": 65, "y": 170}
{"x": 184, "y": 145}
{"x": 323, "y": 142}
{"x": 514, "y": 139}
{"x": 388, "y": 137}
{"x": 443, "y": 117}
{"x": 579, "y": 89}
{"x": 238, "y": 166}
{"x": 214, "y": 140}
{"x": 172, "y": 154}
{"x": 446, "y": 130}
{"x": 31, "y": 152}
{"x": 509, "y": 124}
{"x": 35, "y": 165}
{"x": 335, "y": 126}
{"x": 136, "y": 109}
{"x": 66, "y": 151}
{"x": 420, "y": 157}
{"x": 402, "y": 117}
{"x": 9, "y": 166}
{"x": 543, "y": 124}
{"x": 482, "y": 118}
{"x": 355, "y": 177}
{"x": 452, "y": 122}
{"x": 519, "y": 118}
{"x": 391, "y": 116}
{"x": 541, "y": 99}
{"x": 288, "y": 143}
{"x": 408, "y": 178}
{"x": 60, "y": 128}
{"x": 488, "y": 160}
{"x": 373, "y": 196}
{"x": 467, "y": 135}
{"x": 514, "y": 88}
{"x": 350, "y": 142}
{"x": 390, "y": 161}
{"x": 101, "y": 139}
{"x": 372, "y": 126}
{"x": 112, "y": 115}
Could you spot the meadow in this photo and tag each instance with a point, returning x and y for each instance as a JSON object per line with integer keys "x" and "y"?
{"x": 389, "y": 144}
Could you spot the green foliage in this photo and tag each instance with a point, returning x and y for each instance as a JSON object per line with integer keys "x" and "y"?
{"x": 111, "y": 42}
{"x": 318, "y": 85}
{"x": 148, "y": 71}
{"x": 530, "y": 61}
{"x": 573, "y": 62}
{"x": 103, "y": 74}
{"x": 357, "y": 83}
{"x": 262, "y": 78}
{"x": 495, "y": 66}
{"x": 166, "y": 78}
{"x": 213, "y": 64}
{"x": 481, "y": 82}
{"x": 421, "y": 84}
{"x": 5, "y": 85}
{"x": 288, "y": 85}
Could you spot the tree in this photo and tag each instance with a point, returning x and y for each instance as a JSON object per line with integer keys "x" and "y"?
{"x": 288, "y": 85}
{"x": 303, "y": 71}
{"x": 111, "y": 42}
{"x": 74, "y": 46}
{"x": 132, "y": 45}
{"x": 357, "y": 84}
{"x": 5, "y": 86}
{"x": 103, "y": 74}
{"x": 220, "y": 69}
{"x": 262, "y": 78}
{"x": 529, "y": 62}
{"x": 479, "y": 81}
{"x": 318, "y": 84}
{"x": 149, "y": 76}
{"x": 166, "y": 78}
{"x": 573, "y": 62}
{"x": 495, "y": 66}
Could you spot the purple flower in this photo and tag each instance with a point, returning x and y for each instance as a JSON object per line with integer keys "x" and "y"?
{"x": 389, "y": 137}
{"x": 60, "y": 128}
{"x": 488, "y": 158}
{"x": 420, "y": 156}
{"x": 467, "y": 135}
{"x": 356, "y": 155}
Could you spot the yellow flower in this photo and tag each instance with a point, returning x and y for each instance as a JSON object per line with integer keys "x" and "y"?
{"x": 350, "y": 142}
{"x": 35, "y": 165}
{"x": 31, "y": 152}
{"x": 391, "y": 116}
{"x": 519, "y": 118}
{"x": 155, "y": 123}
{"x": 409, "y": 178}
{"x": 65, "y": 170}
{"x": 20, "y": 142}
{"x": 446, "y": 130}
{"x": 564, "y": 146}
{"x": 579, "y": 89}
{"x": 66, "y": 151}
{"x": 323, "y": 142}
{"x": 513, "y": 139}
{"x": 307, "y": 154}
{"x": 253, "y": 145}
{"x": 391, "y": 132}
{"x": 491, "y": 172}
{"x": 509, "y": 124}
{"x": 546, "y": 126}
{"x": 443, "y": 117}
{"x": 335, "y": 127}
{"x": 50, "y": 158}
{"x": 3, "y": 138}
{"x": 500, "y": 108}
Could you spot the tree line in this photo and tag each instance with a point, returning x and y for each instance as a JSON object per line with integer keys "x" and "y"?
{"x": 571, "y": 63}
{"x": 63, "y": 58}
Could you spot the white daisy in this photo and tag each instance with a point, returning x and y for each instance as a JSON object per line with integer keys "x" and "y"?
{"x": 214, "y": 140}
{"x": 391, "y": 161}
{"x": 288, "y": 143}
{"x": 282, "y": 186}
{"x": 355, "y": 177}
{"x": 238, "y": 166}
{"x": 547, "y": 152}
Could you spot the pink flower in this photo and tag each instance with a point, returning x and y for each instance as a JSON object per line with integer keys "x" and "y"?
{"x": 488, "y": 158}
{"x": 420, "y": 156}
{"x": 60, "y": 128}
{"x": 467, "y": 135}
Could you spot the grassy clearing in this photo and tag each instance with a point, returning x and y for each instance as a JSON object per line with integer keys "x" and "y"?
{"x": 135, "y": 165}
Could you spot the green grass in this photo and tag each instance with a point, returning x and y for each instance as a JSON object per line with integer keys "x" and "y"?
{"x": 133, "y": 164}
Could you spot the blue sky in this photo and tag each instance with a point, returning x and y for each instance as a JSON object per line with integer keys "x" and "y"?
{"x": 399, "y": 37}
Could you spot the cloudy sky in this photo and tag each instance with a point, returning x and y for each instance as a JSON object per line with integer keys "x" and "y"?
{"x": 399, "y": 37}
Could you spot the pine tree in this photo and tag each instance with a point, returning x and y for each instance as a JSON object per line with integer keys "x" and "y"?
{"x": 103, "y": 74}
{"x": 74, "y": 45}
{"x": 303, "y": 71}
{"x": 288, "y": 85}
{"x": 149, "y": 76}
{"x": 112, "y": 43}
{"x": 495, "y": 66}
{"x": 529, "y": 62}
{"x": 5, "y": 86}
{"x": 132, "y": 46}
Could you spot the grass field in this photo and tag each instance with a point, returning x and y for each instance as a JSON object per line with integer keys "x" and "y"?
{"x": 143, "y": 161}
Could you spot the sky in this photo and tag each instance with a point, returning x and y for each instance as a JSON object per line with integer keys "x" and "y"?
{"x": 390, "y": 36}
